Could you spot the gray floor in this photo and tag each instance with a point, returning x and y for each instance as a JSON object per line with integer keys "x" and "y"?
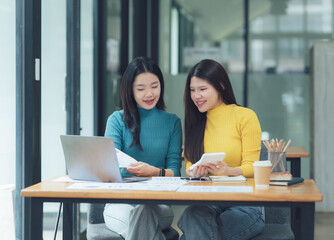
{"x": 324, "y": 226}
{"x": 323, "y": 230}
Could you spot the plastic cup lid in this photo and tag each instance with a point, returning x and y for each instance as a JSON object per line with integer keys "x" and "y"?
{"x": 266, "y": 163}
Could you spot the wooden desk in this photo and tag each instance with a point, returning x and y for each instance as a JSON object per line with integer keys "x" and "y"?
{"x": 300, "y": 197}
{"x": 294, "y": 155}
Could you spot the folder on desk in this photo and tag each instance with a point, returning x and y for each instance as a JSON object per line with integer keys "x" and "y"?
{"x": 287, "y": 182}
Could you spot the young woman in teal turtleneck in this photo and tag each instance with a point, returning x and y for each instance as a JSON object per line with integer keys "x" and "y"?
{"x": 153, "y": 137}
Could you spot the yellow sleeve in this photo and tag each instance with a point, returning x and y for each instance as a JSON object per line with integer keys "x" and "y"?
{"x": 251, "y": 142}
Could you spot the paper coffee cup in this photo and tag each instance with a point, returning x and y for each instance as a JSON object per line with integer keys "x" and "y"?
{"x": 262, "y": 174}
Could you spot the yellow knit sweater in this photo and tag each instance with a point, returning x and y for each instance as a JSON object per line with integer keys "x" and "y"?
{"x": 236, "y": 131}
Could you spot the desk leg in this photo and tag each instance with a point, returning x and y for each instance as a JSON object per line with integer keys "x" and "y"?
{"x": 295, "y": 166}
{"x": 36, "y": 220}
{"x": 302, "y": 221}
{"x": 67, "y": 221}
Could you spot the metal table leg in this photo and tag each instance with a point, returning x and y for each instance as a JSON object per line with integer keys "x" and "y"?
{"x": 34, "y": 227}
{"x": 295, "y": 166}
{"x": 67, "y": 221}
{"x": 302, "y": 221}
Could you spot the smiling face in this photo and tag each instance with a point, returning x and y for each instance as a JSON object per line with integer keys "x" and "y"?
{"x": 146, "y": 90}
{"x": 204, "y": 95}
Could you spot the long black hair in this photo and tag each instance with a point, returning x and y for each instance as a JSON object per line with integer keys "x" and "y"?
{"x": 194, "y": 123}
{"x": 130, "y": 111}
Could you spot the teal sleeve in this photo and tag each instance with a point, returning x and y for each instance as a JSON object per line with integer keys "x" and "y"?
{"x": 114, "y": 129}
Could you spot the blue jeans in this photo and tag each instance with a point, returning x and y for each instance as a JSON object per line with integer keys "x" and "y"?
{"x": 216, "y": 222}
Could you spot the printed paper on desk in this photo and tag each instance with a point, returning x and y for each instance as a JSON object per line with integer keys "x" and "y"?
{"x": 168, "y": 180}
{"x": 124, "y": 159}
{"x": 146, "y": 186}
{"x": 67, "y": 179}
{"x": 227, "y": 179}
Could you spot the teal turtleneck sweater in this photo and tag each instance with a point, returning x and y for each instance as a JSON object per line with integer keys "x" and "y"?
{"x": 160, "y": 138}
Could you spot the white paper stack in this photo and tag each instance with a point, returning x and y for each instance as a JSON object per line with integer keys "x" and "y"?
{"x": 226, "y": 179}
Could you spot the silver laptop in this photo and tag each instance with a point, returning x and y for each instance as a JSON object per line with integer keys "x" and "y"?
{"x": 92, "y": 159}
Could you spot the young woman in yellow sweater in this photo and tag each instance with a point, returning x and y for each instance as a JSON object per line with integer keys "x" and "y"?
{"x": 215, "y": 123}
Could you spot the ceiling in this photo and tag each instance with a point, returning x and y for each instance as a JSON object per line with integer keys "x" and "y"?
{"x": 217, "y": 19}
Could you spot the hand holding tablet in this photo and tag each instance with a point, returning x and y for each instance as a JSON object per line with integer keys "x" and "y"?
{"x": 206, "y": 158}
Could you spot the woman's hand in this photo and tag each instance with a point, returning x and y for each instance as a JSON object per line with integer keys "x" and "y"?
{"x": 197, "y": 172}
{"x": 221, "y": 168}
{"x": 142, "y": 169}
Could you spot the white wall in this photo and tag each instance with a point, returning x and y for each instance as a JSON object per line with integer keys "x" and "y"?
{"x": 7, "y": 92}
{"x": 323, "y": 119}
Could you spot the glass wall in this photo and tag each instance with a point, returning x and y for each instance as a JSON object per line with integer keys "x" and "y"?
{"x": 53, "y": 112}
{"x": 53, "y": 86}
{"x": 280, "y": 38}
{"x": 86, "y": 86}
{"x": 87, "y": 65}
{"x": 113, "y": 41}
{"x": 54, "y": 92}
{"x": 7, "y": 92}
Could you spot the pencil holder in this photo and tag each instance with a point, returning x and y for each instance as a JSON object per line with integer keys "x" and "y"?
{"x": 278, "y": 161}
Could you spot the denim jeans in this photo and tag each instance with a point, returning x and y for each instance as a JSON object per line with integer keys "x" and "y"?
{"x": 216, "y": 222}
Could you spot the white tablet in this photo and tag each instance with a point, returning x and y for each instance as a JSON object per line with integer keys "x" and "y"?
{"x": 206, "y": 158}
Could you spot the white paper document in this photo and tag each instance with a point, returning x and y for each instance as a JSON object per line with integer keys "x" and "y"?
{"x": 227, "y": 179}
{"x": 124, "y": 159}
{"x": 222, "y": 189}
{"x": 168, "y": 180}
{"x": 67, "y": 179}
{"x": 156, "y": 184}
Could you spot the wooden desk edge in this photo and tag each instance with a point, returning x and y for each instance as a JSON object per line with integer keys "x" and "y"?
{"x": 297, "y": 152}
{"x": 59, "y": 191}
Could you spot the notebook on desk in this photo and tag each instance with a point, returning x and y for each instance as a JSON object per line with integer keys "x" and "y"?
{"x": 92, "y": 158}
